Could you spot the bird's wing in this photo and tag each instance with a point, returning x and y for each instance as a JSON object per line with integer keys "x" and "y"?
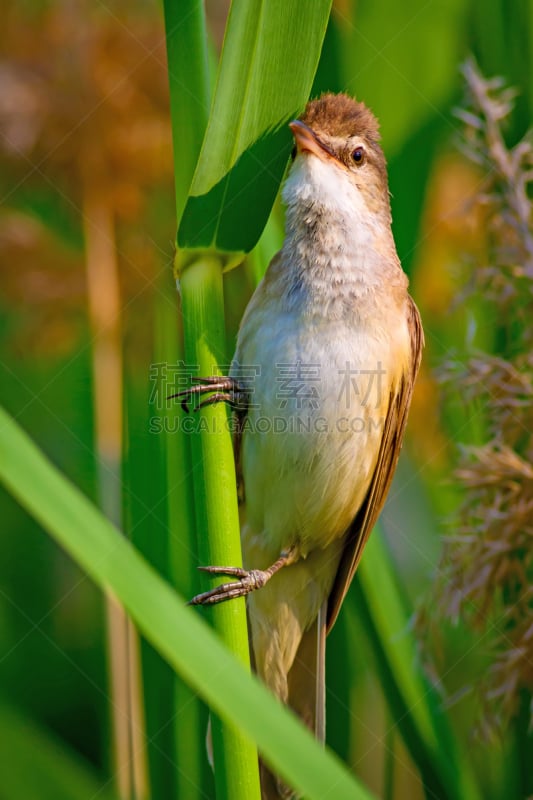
{"x": 391, "y": 442}
{"x": 307, "y": 696}
{"x": 239, "y": 417}
{"x": 306, "y": 678}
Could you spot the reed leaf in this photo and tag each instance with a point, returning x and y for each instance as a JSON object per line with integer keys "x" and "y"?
{"x": 179, "y": 635}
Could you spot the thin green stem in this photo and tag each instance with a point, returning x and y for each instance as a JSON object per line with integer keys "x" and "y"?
{"x": 188, "y": 78}
{"x": 190, "y": 718}
{"x": 189, "y": 84}
{"x": 235, "y": 756}
{"x": 390, "y": 762}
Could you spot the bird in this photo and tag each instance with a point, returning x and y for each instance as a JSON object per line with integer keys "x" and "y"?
{"x": 321, "y": 382}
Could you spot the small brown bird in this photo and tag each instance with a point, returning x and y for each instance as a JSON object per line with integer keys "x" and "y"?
{"x": 326, "y": 359}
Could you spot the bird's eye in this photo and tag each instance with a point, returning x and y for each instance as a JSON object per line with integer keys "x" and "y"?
{"x": 293, "y": 153}
{"x": 358, "y": 156}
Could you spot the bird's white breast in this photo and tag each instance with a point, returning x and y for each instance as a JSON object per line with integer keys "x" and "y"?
{"x": 322, "y": 334}
{"x": 312, "y": 434}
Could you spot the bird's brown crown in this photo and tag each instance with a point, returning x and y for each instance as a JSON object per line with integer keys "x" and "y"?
{"x": 341, "y": 115}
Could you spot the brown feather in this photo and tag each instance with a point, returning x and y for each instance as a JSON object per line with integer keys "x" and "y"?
{"x": 307, "y": 698}
{"x": 389, "y": 452}
{"x": 307, "y": 684}
{"x": 342, "y": 116}
{"x": 239, "y": 417}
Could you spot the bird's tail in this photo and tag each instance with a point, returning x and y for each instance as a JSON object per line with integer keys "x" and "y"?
{"x": 307, "y": 697}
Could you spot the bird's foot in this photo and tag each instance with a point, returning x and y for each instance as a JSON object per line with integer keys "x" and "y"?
{"x": 248, "y": 581}
{"x": 220, "y": 389}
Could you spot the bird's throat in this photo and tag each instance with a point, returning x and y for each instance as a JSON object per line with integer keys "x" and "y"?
{"x": 337, "y": 250}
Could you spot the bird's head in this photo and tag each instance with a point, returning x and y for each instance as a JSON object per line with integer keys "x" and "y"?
{"x": 338, "y": 160}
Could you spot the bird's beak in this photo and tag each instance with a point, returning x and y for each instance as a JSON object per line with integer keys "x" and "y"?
{"x": 307, "y": 141}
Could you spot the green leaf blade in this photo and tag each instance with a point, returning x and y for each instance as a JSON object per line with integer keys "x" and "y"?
{"x": 188, "y": 78}
{"x": 224, "y": 217}
{"x": 246, "y": 146}
{"x": 187, "y": 643}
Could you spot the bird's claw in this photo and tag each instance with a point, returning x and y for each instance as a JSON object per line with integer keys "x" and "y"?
{"x": 248, "y": 581}
{"x": 220, "y": 388}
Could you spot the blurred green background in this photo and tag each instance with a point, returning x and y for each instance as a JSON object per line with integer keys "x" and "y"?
{"x": 87, "y": 182}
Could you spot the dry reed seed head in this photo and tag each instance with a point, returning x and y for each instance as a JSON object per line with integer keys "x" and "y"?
{"x": 487, "y": 565}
